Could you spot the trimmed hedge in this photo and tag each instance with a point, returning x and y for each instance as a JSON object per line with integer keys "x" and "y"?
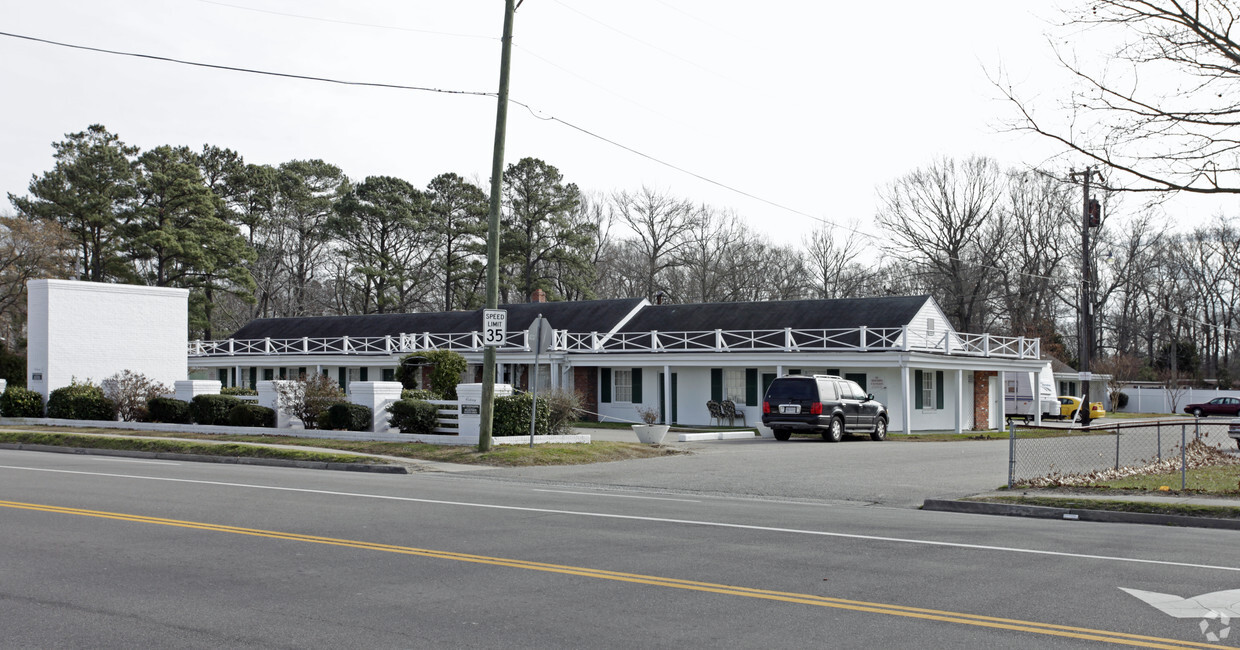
{"x": 251, "y": 415}
{"x": 419, "y": 394}
{"x": 18, "y": 402}
{"x": 212, "y": 409}
{"x": 512, "y": 416}
{"x": 167, "y": 409}
{"x": 238, "y": 390}
{"x": 414, "y": 416}
{"x": 80, "y": 402}
{"x": 350, "y": 417}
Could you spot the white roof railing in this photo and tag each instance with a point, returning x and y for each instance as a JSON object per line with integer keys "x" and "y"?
{"x": 855, "y": 339}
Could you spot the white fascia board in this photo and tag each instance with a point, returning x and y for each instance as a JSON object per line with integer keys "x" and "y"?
{"x": 970, "y": 363}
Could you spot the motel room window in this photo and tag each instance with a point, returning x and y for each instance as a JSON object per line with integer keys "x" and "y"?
{"x": 734, "y": 384}
{"x": 622, "y": 382}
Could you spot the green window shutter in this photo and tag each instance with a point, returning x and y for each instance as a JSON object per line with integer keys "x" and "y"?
{"x": 938, "y": 389}
{"x": 917, "y": 388}
{"x": 637, "y": 386}
{"x": 344, "y": 378}
{"x": 283, "y": 373}
{"x": 716, "y": 384}
{"x": 253, "y": 377}
{"x": 222, "y": 376}
{"x": 362, "y": 376}
{"x": 389, "y": 374}
{"x": 604, "y": 375}
{"x": 751, "y": 386}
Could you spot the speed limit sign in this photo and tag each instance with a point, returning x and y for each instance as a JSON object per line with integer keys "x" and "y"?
{"x": 494, "y": 326}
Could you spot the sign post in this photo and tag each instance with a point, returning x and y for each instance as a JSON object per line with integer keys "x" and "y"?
{"x": 541, "y": 341}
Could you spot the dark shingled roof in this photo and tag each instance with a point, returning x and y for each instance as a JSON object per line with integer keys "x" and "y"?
{"x": 893, "y": 311}
{"x": 584, "y": 316}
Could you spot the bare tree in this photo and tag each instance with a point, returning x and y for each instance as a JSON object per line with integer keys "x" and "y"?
{"x": 1161, "y": 107}
{"x": 29, "y": 250}
{"x": 946, "y": 217}
{"x": 659, "y": 223}
{"x": 700, "y": 276}
{"x": 832, "y": 263}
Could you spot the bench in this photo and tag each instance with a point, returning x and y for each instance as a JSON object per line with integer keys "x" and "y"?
{"x": 1024, "y": 418}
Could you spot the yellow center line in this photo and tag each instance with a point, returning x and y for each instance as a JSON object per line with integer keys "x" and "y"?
{"x": 960, "y": 618}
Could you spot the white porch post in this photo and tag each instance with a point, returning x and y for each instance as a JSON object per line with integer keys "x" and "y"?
{"x": 667, "y": 393}
{"x": 959, "y": 400}
{"x": 1037, "y": 398}
{"x": 906, "y": 396}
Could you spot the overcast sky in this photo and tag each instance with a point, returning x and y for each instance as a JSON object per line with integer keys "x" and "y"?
{"x": 809, "y": 105}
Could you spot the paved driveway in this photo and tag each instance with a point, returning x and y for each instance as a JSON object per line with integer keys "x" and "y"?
{"x": 898, "y": 474}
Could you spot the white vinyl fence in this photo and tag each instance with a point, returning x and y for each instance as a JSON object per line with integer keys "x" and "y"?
{"x": 1158, "y": 400}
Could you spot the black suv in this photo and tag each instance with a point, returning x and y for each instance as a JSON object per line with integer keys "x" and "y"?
{"x": 823, "y": 403}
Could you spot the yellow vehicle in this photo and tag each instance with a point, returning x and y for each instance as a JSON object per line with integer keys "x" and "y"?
{"x": 1069, "y": 405}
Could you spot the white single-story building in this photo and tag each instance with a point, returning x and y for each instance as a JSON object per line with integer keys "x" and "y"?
{"x": 618, "y": 354}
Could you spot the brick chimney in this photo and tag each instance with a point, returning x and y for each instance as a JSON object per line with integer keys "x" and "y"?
{"x": 538, "y": 296}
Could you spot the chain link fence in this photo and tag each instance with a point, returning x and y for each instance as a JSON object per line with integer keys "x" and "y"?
{"x": 1111, "y": 447}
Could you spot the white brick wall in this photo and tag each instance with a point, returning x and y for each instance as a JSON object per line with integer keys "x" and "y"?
{"x": 91, "y": 330}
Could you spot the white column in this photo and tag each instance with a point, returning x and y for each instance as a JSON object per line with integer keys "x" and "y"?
{"x": 469, "y": 396}
{"x": 906, "y": 392}
{"x": 667, "y": 392}
{"x": 377, "y": 396}
{"x": 959, "y": 400}
{"x": 1036, "y": 387}
{"x": 267, "y": 396}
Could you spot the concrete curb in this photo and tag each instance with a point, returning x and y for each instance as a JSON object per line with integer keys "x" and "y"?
{"x": 1110, "y": 516}
{"x": 203, "y": 458}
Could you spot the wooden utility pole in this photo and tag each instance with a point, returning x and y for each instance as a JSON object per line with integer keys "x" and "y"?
{"x": 1086, "y": 321}
{"x": 487, "y": 411}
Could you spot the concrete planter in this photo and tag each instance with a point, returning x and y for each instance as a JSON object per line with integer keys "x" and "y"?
{"x": 650, "y": 434}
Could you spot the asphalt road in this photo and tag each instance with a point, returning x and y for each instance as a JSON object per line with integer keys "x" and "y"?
{"x": 105, "y": 552}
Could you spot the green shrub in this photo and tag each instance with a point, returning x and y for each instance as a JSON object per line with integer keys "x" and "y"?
{"x": 251, "y": 415}
{"x": 18, "y": 402}
{"x": 212, "y": 409}
{"x": 167, "y": 409}
{"x": 414, "y": 416}
{"x": 419, "y": 394}
{"x": 1121, "y": 400}
{"x": 408, "y": 369}
{"x": 238, "y": 390}
{"x": 80, "y": 401}
{"x": 446, "y": 370}
{"x": 512, "y": 416}
{"x": 350, "y": 417}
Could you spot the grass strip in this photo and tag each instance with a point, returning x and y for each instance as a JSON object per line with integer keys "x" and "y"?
{"x": 600, "y": 451}
{"x": 1151, "y": 507}
{"x": 174, "y": 447}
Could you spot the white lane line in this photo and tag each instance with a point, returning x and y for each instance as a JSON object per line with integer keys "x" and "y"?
{"x": 133, "y": 460}
{"x": 663, "y": 520}
{"x": 619, "y": 496}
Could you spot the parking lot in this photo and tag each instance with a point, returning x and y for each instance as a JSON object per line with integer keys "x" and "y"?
{"x": 890, "y": 473}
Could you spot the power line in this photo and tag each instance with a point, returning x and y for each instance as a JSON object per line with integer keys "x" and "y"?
{"x": 533, "y": 111}
{"x": 269, "y": 73}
